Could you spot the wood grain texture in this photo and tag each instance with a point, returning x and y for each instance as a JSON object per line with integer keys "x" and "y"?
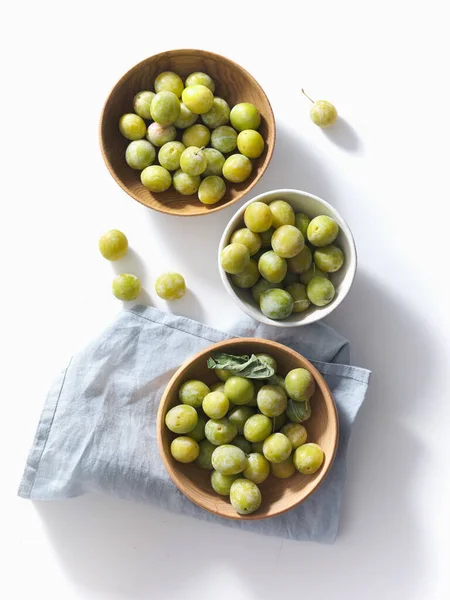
{"x": 278, "y": 495}
{"x": 233, "y": 83}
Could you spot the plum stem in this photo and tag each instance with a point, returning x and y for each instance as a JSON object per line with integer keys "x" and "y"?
{"x": 306, "y": 95}
{"x": 199, "y": 150}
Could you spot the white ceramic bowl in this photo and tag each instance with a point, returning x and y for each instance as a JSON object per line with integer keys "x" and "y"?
{"x": 342, "y": 280}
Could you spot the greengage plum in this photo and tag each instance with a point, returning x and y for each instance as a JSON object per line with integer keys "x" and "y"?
{"x": 272, "y": 267}
{"x": 237, "y": 168}
{"x": 282, "y": 213}
{"x": 199, "y": 78}
{"x": 257, "y": 469}
{"x": 181, "y": 419}
{"x": 184, "y": 449}
{"x": 161, "y": 134}
{"x": 186, "y": 118}
{"x": 170, "y": 286}
{"x": 276, "y": 304}
{"x": 211, "y": 190}
{"x": 250, "y": 143}
{"x": 215, "y": 161}
{"x": 245, "y": 116}
{"x": 113, "y": 244}
{"x": 272, "y": 400}
{"x": 329, "y": 258}
{"x": 192, "y": 392}
{"x": 196, "y": 135}
{"x": 308, "y": 458}
{"x": 132, "y": 126}
{"x": 320, "y": 291}
{"x": 193, "y": 161}
{"x": 228, "y": 459}
{"x": 165, "y": 108}
{"x": 126, "y": 287}
{"x": 258, "y": 217}
{"x": 301, "y": 261}
{"x": 245, "y": 496}
{"x": 248, "y": 277}
{"x": 287, "y": 241}
{"x": 257, "y": 428}
{"x": 170, "y": 154}
{"x": 300, "y": 384}
{"x": 277, "y": 448}
{"x": 234, "y": 258}
{"x": 169, "y": 82}
{"x": 248, "y": 238}
{"x": 198, "y": 98}
{"x": 224, "y": 139}
{"x": 156, "y": 178}
{"x": 239, "y": 390}
{"x": 322, "y": 230}
{"x": 215, "y": 405}
{"x": 218, "y": 114}
{"x": 221, "y": 483}
{"x": 185, "y": 184}
{"x": 142, "y": 103}
{"x": 140, "y": 154}
{"x": 220, "y": 431}
{"x": 296, "y": 434}
{"x": 205, "y": 454}
{"x": 239, "y": 415}
{"x": 299, "y": 296}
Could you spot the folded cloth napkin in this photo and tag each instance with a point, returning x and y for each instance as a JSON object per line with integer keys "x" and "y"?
{"x": 97, "y": 429}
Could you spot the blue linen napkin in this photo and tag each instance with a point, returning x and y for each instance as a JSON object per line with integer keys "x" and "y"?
{"x": 97, "y": 428}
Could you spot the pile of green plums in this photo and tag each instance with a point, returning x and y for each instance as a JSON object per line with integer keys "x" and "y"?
{"x": 196, "y": 158}
{"x": 244, "y": 429}
{"x": 284, "y": 258}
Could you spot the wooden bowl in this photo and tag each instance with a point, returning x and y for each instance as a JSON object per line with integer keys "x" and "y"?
{"x": 233, "y": 83}
{"x": 278, "y": 495}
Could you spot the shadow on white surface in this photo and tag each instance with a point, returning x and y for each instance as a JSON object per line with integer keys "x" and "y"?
{"x": 343, "y": 135}
{"x": 125, "y": 550}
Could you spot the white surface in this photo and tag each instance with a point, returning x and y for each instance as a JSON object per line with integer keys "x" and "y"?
{"x": 384, "y": 166}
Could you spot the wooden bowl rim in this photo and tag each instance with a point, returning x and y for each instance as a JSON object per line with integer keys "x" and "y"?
{"x": 160, "y": 424}
{"x": 202, "y": 209}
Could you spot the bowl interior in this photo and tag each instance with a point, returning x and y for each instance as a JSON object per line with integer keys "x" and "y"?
{"x": 233, "y": 83}
{"x": 278, "y": 495}
{"x": 342, "y": 280}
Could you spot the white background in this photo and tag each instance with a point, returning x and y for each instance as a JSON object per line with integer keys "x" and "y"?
{"x": 384, "y": 166}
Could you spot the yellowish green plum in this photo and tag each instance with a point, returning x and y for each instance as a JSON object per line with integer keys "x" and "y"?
{"x": 205, "y": 454}
{"x": 287, "y": 241}
{"x": 224, "y": 139}
{"x": 198, "y": 98}
{"x": 300, "y": 385}
{"x": 215, "y": 161}
{"x": 211, "y": 190}
{"x": 126, "y": 287}
{"x": 170, "y": 154}
{"x": 198, "y": 433}
{"x": 278, "y": 422}
{"x": 169, "y": 82}
{"x": 228, "y": 459}
{"x": 248, "y": 277}
{"x": 248, "y": 238}
{"x": 302, "y": 222}
{"x": 322, "y": 230}
{"x": 219, "y": 386}
{"x": 199, "y": 78}
{"x": 197, "y": 135}
{"x": 234, "y": 258}
{"x": 184, "y": 449}
{"x": 272, "y": 400}
{"x": 267, "y": 360}
{"x": 222, "y": 374}
{"x": 329, "y": 258}
{"x": 140, "y": 154}
{"x": 296, "y": 434}
{"x": 257, "y": 428}
{"x": 297, "y": 412}
{"x": 289, "y": 280}
{"x": 215, "y": 405}
{"x": 192, "y": 393}
{"x": 170, "y": 286}
{"x": 193, "y": 161}
{"x": 237, "y": 168}
{"x": 156, "y": 178}
{"x": 132, "y": 126}
{"x": 258, "y": 217}
{"x": 239, "y": 415}
{"x": 142, "y": 103}
{"x": 301, "y": 261}
{"x": 283, "y": 470}
{"x": 245, "y": 496}
{"x": 245, "y": 116}
{"x": 239, "y": 390}
{"x": 221, "y": 483}
{"x": 276, "y": 304}
{"x": 181, "y": 419}
{"x": 220, "y": 431}
{"x": 261, "y": 286}
{"x": 257, "y": 469}
{"x": 218, "y": 115}
{"x": 308, "y": 458}
{"x": 165, "y": 108}
{"x": 277, "y": 447}
{"x": 185, "y": 184}
{"x": 113, "y": 245}
{"x": 322, "y": 113}
{"x": 243, "y": 444}
{"x": 186, "y": 118}
{"x": 272, "y": 267}
{"x": 281, "y": 382}
{"x": 310, "y": 273}
{"x": 299, "y": 296}
{"x": 282, "y": 213}
{"x": 250, "y": 143}
{"x": 266, "y": 236}
{"x": 320, "y": 291}
{"x": 161, "y": 134}
{"x": 257, "y": 447}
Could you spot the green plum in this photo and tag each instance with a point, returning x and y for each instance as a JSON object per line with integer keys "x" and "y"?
{"x": 282, "y": 213}
{"x": 239, "y": 390}
{"x": 289, "y": 280}
{"x": 196, "y": 135}
{"x": 300, "y": 384}
{"x": 220, "y": 431}
{"x": 257, "y": 428}
{"x": 205, "y": 454}
{"x": 248, "y": 238}
{"x": 248, "y": 277}
{"x": 245, "y": 496}
{"x": 186, "y": 118}
{"x": 320, "y": 291}
{"x": 169, "y": 82}
{"x": 215, "y": 405}
{"x": 329, "y": 258}
{"x": 237, "y": 168}
{"x": 170, "y": 154}
{"x": 198, "y": 98}
{"x": 113, "y": 245}
{"x": 322, "y": 230}
{"x": 284, "y": 469}
{"x": 299, "y": 296}
{"x": 170, "y": 286}
{"x": 287, "y": 241}
{"x": 266, "y": 236}
{"x": 126, "y": 287}
{"x": 221, "y": 483}
{"x": 222, "y": 374}
{"x": 278, "y": 422}
{"x": 140, "y": 154}
{"x": 192, "y": 392}
{"x": 276, "y": 304}
{"x": 234, "y": 258}
{"x": 310, "y": 273}
{"x": 215, "y": 160}
{"x": 239, "y": 415}
{"x": 281, "y": 382}
{"x": 258, "y": 446}
{"x": 198, "y": 433}
{"x": 228, "y": 459}
{"x": 142, "y": 103}
{"x": 302, "y": 222}
{"x": 185, "y": 184}
{"x": 156, "y": 178}
{"x": 211, "y": 190}
{"x": 301, "y": 261}
{"x": 159, "y": 135}
{"x": 165, "y": 108}
{"x": 296, "y": 434}
{"x": 245, "y": 116}
{"x": 272, "y": 400}
{"x": 277, "y": 447}
{"x": 322, "y": 113}
{"x": 308, "y": 458}
{"x": 224, "y": 139}
{"x": 199, "y": 78}
{"x": 297, "y": 412}
{"x": 257, "y": 469}
{"x": 261, "y": 286}
{"x": 184, "y": 449}
{"x": 132, "y": 126}
{"x": 272, "y": 267}
{"x": 181, "y": 419}
{"x": 193, "y": 161}
{"x": 243, "y": 444}
{"x": 267, "y": 360}
{"x": 258, "y": 217}
{"x": 250, "y": 143}
{"x": 219, "y": 386}
{"x": 218, "y": 115}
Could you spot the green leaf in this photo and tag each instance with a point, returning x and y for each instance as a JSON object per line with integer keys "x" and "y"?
{"x": 243, "y": 366}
